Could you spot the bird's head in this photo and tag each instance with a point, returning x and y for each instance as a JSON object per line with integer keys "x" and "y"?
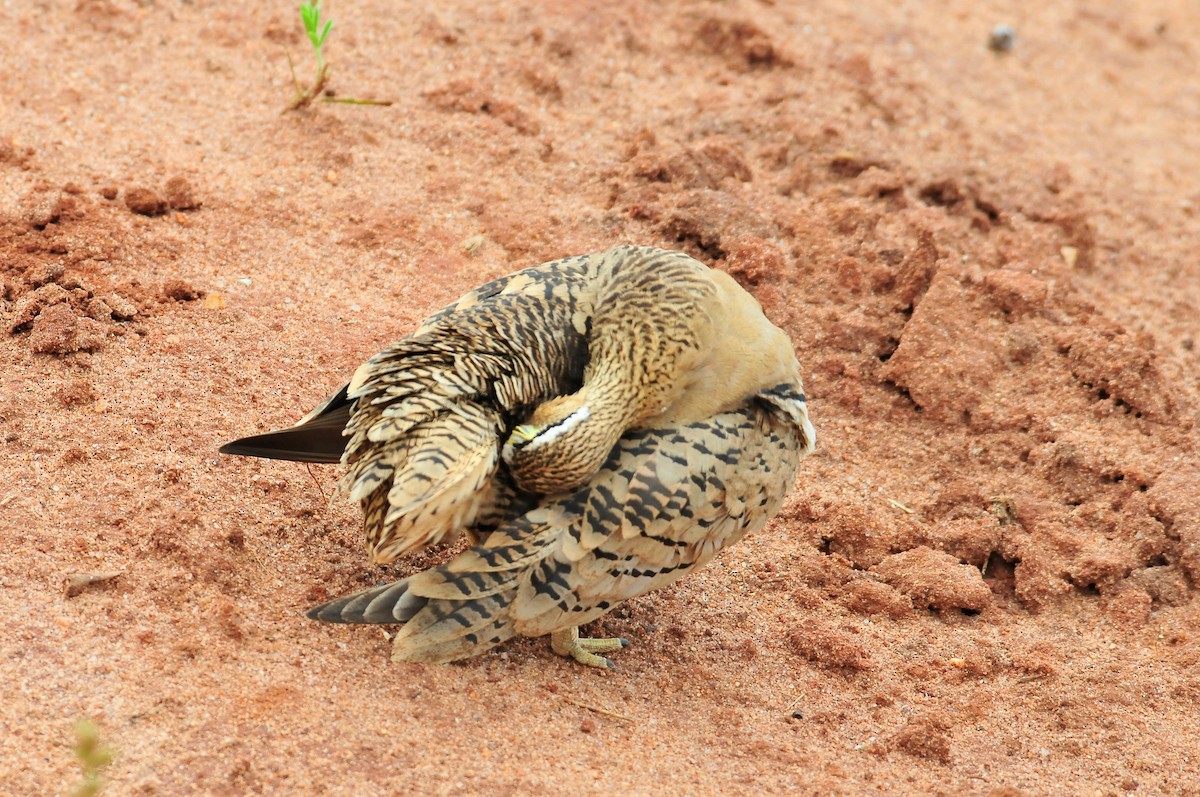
{"x": 563, "y": 443}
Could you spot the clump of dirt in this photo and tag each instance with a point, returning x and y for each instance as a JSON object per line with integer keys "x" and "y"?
{"x": 924, "y": 737}
{"x": 145, "y": 201}
{"x": 61, "y": 292}
{"x": 58, "y": 330}
{"x": 935, "y": 580}
{"x": 828, "y": 646}
{"x": 177, "y": 194}
{"x": 180, "y": 195}
{"x": 62, "y": 314}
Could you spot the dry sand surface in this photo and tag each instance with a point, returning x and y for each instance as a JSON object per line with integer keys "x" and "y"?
{"x": 984, "y": 580}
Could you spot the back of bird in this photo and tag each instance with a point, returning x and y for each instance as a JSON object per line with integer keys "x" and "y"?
{"x": 430, "y": 411}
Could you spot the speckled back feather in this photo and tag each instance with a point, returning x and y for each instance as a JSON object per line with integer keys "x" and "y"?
{"x": 431, "y": 410}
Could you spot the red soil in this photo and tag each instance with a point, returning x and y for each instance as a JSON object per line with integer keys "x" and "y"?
{"x": 984, "y": 581}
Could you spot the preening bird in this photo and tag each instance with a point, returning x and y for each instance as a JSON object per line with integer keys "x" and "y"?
{"x": 598, "y": 426}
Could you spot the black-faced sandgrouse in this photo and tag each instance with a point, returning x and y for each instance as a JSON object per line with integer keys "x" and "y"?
{"x": 598, "y": 426}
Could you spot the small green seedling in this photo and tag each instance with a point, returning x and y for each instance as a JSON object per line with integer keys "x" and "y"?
{"x": 310, "y": 14}
{"x": 93, "y": 758}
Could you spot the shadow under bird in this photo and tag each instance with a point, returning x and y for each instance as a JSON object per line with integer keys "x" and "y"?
{"x": 598, "y": 426}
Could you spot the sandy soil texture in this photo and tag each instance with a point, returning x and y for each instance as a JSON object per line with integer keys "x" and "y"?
{"x": 984, "y": 580}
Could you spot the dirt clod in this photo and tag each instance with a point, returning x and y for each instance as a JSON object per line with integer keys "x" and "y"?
{"x": 180, "y": 195}
{"x": 935, "y": 579}
{"x": 826, "y": 645}
{"x": 58, "y": 330}
{"x": 145, "y": 201}
{"x": 924, "y": 737}
{"x": 178, "y": 290}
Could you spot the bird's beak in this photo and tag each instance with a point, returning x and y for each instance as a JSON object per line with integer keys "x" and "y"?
{"x": 523, "y": 433}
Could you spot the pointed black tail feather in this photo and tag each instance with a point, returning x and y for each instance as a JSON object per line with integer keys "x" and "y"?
{"x": 318, "y": 438}
{"x": 311, "y": 443}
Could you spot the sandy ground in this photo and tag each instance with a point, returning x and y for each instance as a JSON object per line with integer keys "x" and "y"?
{"x": 984, "y": 581}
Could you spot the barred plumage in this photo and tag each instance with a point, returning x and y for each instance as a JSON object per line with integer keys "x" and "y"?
{"x": 664, "y": 418}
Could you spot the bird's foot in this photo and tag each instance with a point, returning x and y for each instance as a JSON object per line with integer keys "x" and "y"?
{"x": 568, "y": 643}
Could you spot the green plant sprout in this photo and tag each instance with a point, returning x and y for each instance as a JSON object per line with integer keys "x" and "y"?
{"x": 310, "y": 15}
{"x": 93, "y": 758}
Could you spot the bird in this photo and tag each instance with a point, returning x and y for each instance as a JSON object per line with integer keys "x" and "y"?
{"x": 597, "y": 426}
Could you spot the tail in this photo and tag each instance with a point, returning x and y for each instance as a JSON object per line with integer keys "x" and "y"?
{"x": 439, "y": 631}
{"x": 455, "y": 610}
{"x": 316, "y": 438}
{"x": 382, "y": 605}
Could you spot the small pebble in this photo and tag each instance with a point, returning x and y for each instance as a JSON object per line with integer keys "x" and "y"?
{"x": 472, "y": 243}
{"x": 1002, "y": 38}
{"x": 76, "y": 583}
{"x": 587, "y": 726}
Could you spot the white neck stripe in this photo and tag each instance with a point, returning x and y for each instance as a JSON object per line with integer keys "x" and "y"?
{"x": 559, "y": 429}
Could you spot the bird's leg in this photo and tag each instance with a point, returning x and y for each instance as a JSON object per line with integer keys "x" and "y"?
{"x": 567, "y": 643}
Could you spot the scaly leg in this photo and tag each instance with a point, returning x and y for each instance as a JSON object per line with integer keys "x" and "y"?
{"x": 567, "y": 643}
